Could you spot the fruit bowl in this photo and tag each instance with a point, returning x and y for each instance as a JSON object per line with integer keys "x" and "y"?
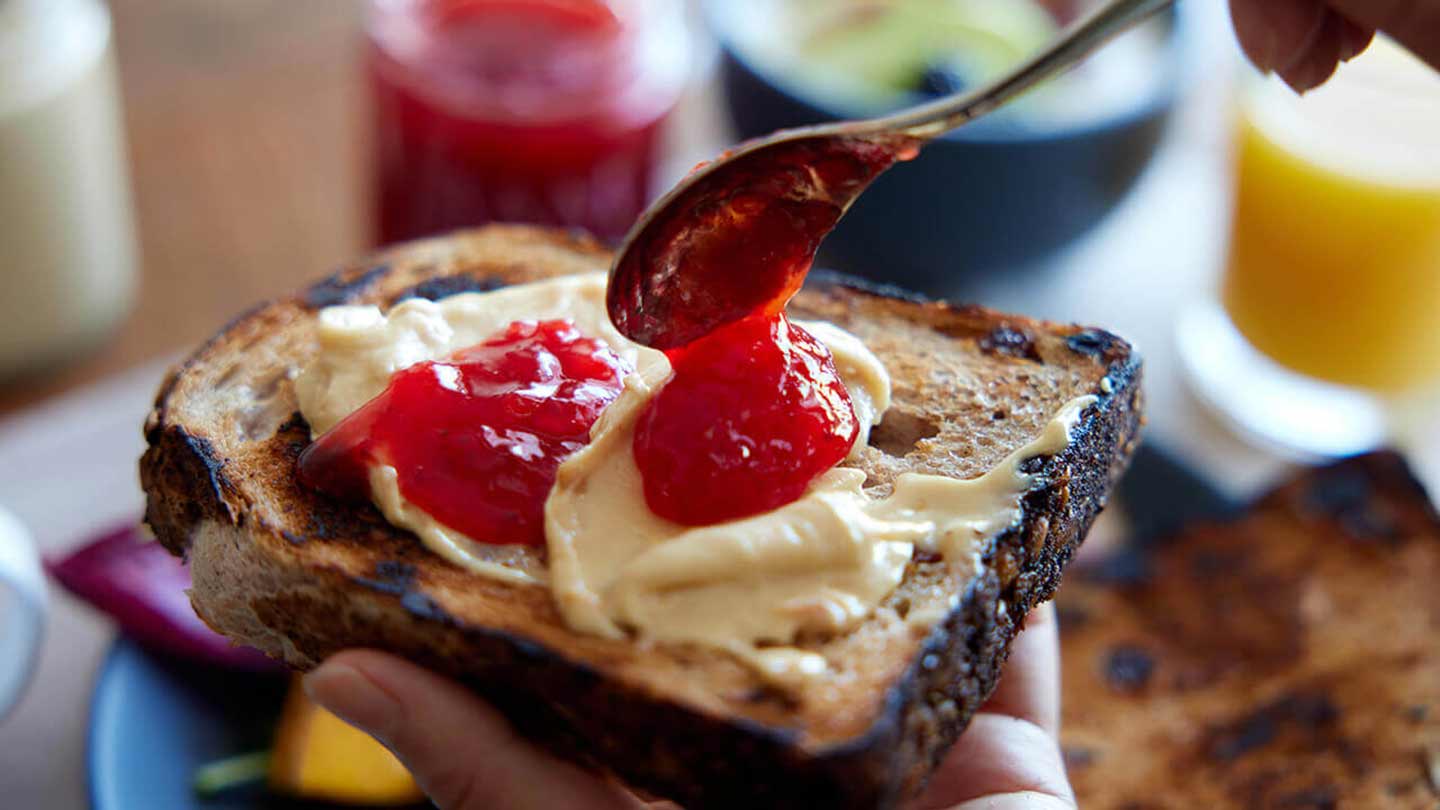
{"x": 997, "y": 195}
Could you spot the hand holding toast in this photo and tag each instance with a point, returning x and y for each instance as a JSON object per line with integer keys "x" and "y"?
{"x": 465, "y": 756}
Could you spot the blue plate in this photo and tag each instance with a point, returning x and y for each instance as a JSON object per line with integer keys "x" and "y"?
{"x": 154, "y": 721}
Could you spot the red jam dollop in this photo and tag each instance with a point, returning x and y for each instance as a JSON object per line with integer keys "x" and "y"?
{"x": 752, "y": 415}
{"x": 476, "y": 438}
{"x": 755, "y": 411}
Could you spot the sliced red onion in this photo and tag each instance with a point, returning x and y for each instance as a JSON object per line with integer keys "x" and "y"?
{"x": 142, "y": 586}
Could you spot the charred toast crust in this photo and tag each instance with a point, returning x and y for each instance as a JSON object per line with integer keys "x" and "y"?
{"x": 700, "y": 758}
{"x": 1281, "y": 658}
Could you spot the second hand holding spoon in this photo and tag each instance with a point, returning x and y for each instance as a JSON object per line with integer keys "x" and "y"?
{"x": 737, "y": 236}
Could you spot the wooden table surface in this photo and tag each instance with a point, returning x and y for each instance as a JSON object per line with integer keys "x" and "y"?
{"x": 246, "y": 121}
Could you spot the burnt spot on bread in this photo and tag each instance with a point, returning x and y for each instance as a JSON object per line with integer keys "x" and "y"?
{"x": 1011, "y": 342}
{"x": 1311, "y": 714}
{"x": 343, "y": 287}
{"x": 1347, "y": 495}
{"x": 1093, "y": 343}
{"x": 1128, "y": 668}
{"x": 1071, "y": 616}
{"x": 297, "y": 428}
{"x": 1128, "y": 565}
{"x": 434, "y": 289}
{"x": 395, "y": 571}
{"x": 1205, "y": 563}
{"x": 756, "y": 695}
{"x": 1078, "y": 756}
{"x": 925, "y": 556}
{"x": 214, "y": 465}
{"x": 330, "y": 518}
{"x": 391, "y": 577}
{"x": 187, "y": 465}
{"x": 1320, "y": 797}
{"x": 902, "y": 431}
{"x": 1337, "y": 490}
{"x": 291, "y": 438}
{"x": 422, "y": 606}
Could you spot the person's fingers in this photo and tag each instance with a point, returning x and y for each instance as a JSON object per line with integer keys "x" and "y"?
{"x": 462, "y": 753}
{"x": 1414, "y": 23}
{"x": 1030, "y": 686}
{"x": 1305, "y": 40}
{"x": 1017, "y": 801}
{"x": 1004, "y": 760}
{"x": 1320, "y": 55}
{"x": 1276, "y": 34}
{"x": 1355, "y": 39}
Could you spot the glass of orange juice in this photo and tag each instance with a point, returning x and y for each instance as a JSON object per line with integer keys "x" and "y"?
{"x": 1328, "y": 312}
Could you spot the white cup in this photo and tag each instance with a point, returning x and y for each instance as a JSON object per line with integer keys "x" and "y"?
{"x": 22, "y": 611}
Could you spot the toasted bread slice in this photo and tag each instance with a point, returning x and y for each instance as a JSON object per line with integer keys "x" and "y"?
{"x": 301, "y": 576}
{"x": 1288, "y": 659}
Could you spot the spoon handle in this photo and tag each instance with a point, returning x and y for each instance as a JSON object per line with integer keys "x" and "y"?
{"x": 1077, "y": 42}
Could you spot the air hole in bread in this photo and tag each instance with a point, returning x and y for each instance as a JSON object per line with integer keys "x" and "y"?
{"x": 902, "y": 431}
{"x": 271, "y": 403}
{"x": 263, "y": 419}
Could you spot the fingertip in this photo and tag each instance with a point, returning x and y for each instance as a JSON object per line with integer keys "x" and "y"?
{"x": 1018, "y": 801}
{"x": 1320, "y": 58}
{"x": 1042, "y": 616}
{"x": 999, "y": 757}
{"x": 1258, "y": 40}
{"x": 1029, "y": 687}
{"x": 1355, "y": 39}
{"x": 461, "y": 750}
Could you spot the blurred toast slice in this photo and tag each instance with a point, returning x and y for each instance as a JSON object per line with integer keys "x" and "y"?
{"x": 301, "y": 576}
{"x": 1287, "y": 659}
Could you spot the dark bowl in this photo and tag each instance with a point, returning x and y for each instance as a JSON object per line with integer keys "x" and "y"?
{"x": 991, "y": 196}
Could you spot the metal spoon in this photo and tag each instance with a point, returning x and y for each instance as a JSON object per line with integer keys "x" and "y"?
{"x": 737, "y": 235}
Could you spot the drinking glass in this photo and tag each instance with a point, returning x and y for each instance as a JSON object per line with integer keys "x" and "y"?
{"x": 1327, "y": 316}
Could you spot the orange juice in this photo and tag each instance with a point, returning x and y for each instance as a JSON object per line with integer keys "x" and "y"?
{"x": 1334, "y": 266}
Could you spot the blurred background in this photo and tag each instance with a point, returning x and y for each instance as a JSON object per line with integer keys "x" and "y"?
{"x": 166, "y": 164}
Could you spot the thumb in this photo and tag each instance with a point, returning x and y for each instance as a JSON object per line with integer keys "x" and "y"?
{"x": 463, "y": 753}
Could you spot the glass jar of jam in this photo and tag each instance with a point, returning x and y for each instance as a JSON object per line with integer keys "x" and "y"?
{"x": 539, "y": 111}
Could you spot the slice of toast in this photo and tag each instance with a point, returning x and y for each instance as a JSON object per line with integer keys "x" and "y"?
{"x": 301, "y": 576}
{"x": 1287, "y": 659}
